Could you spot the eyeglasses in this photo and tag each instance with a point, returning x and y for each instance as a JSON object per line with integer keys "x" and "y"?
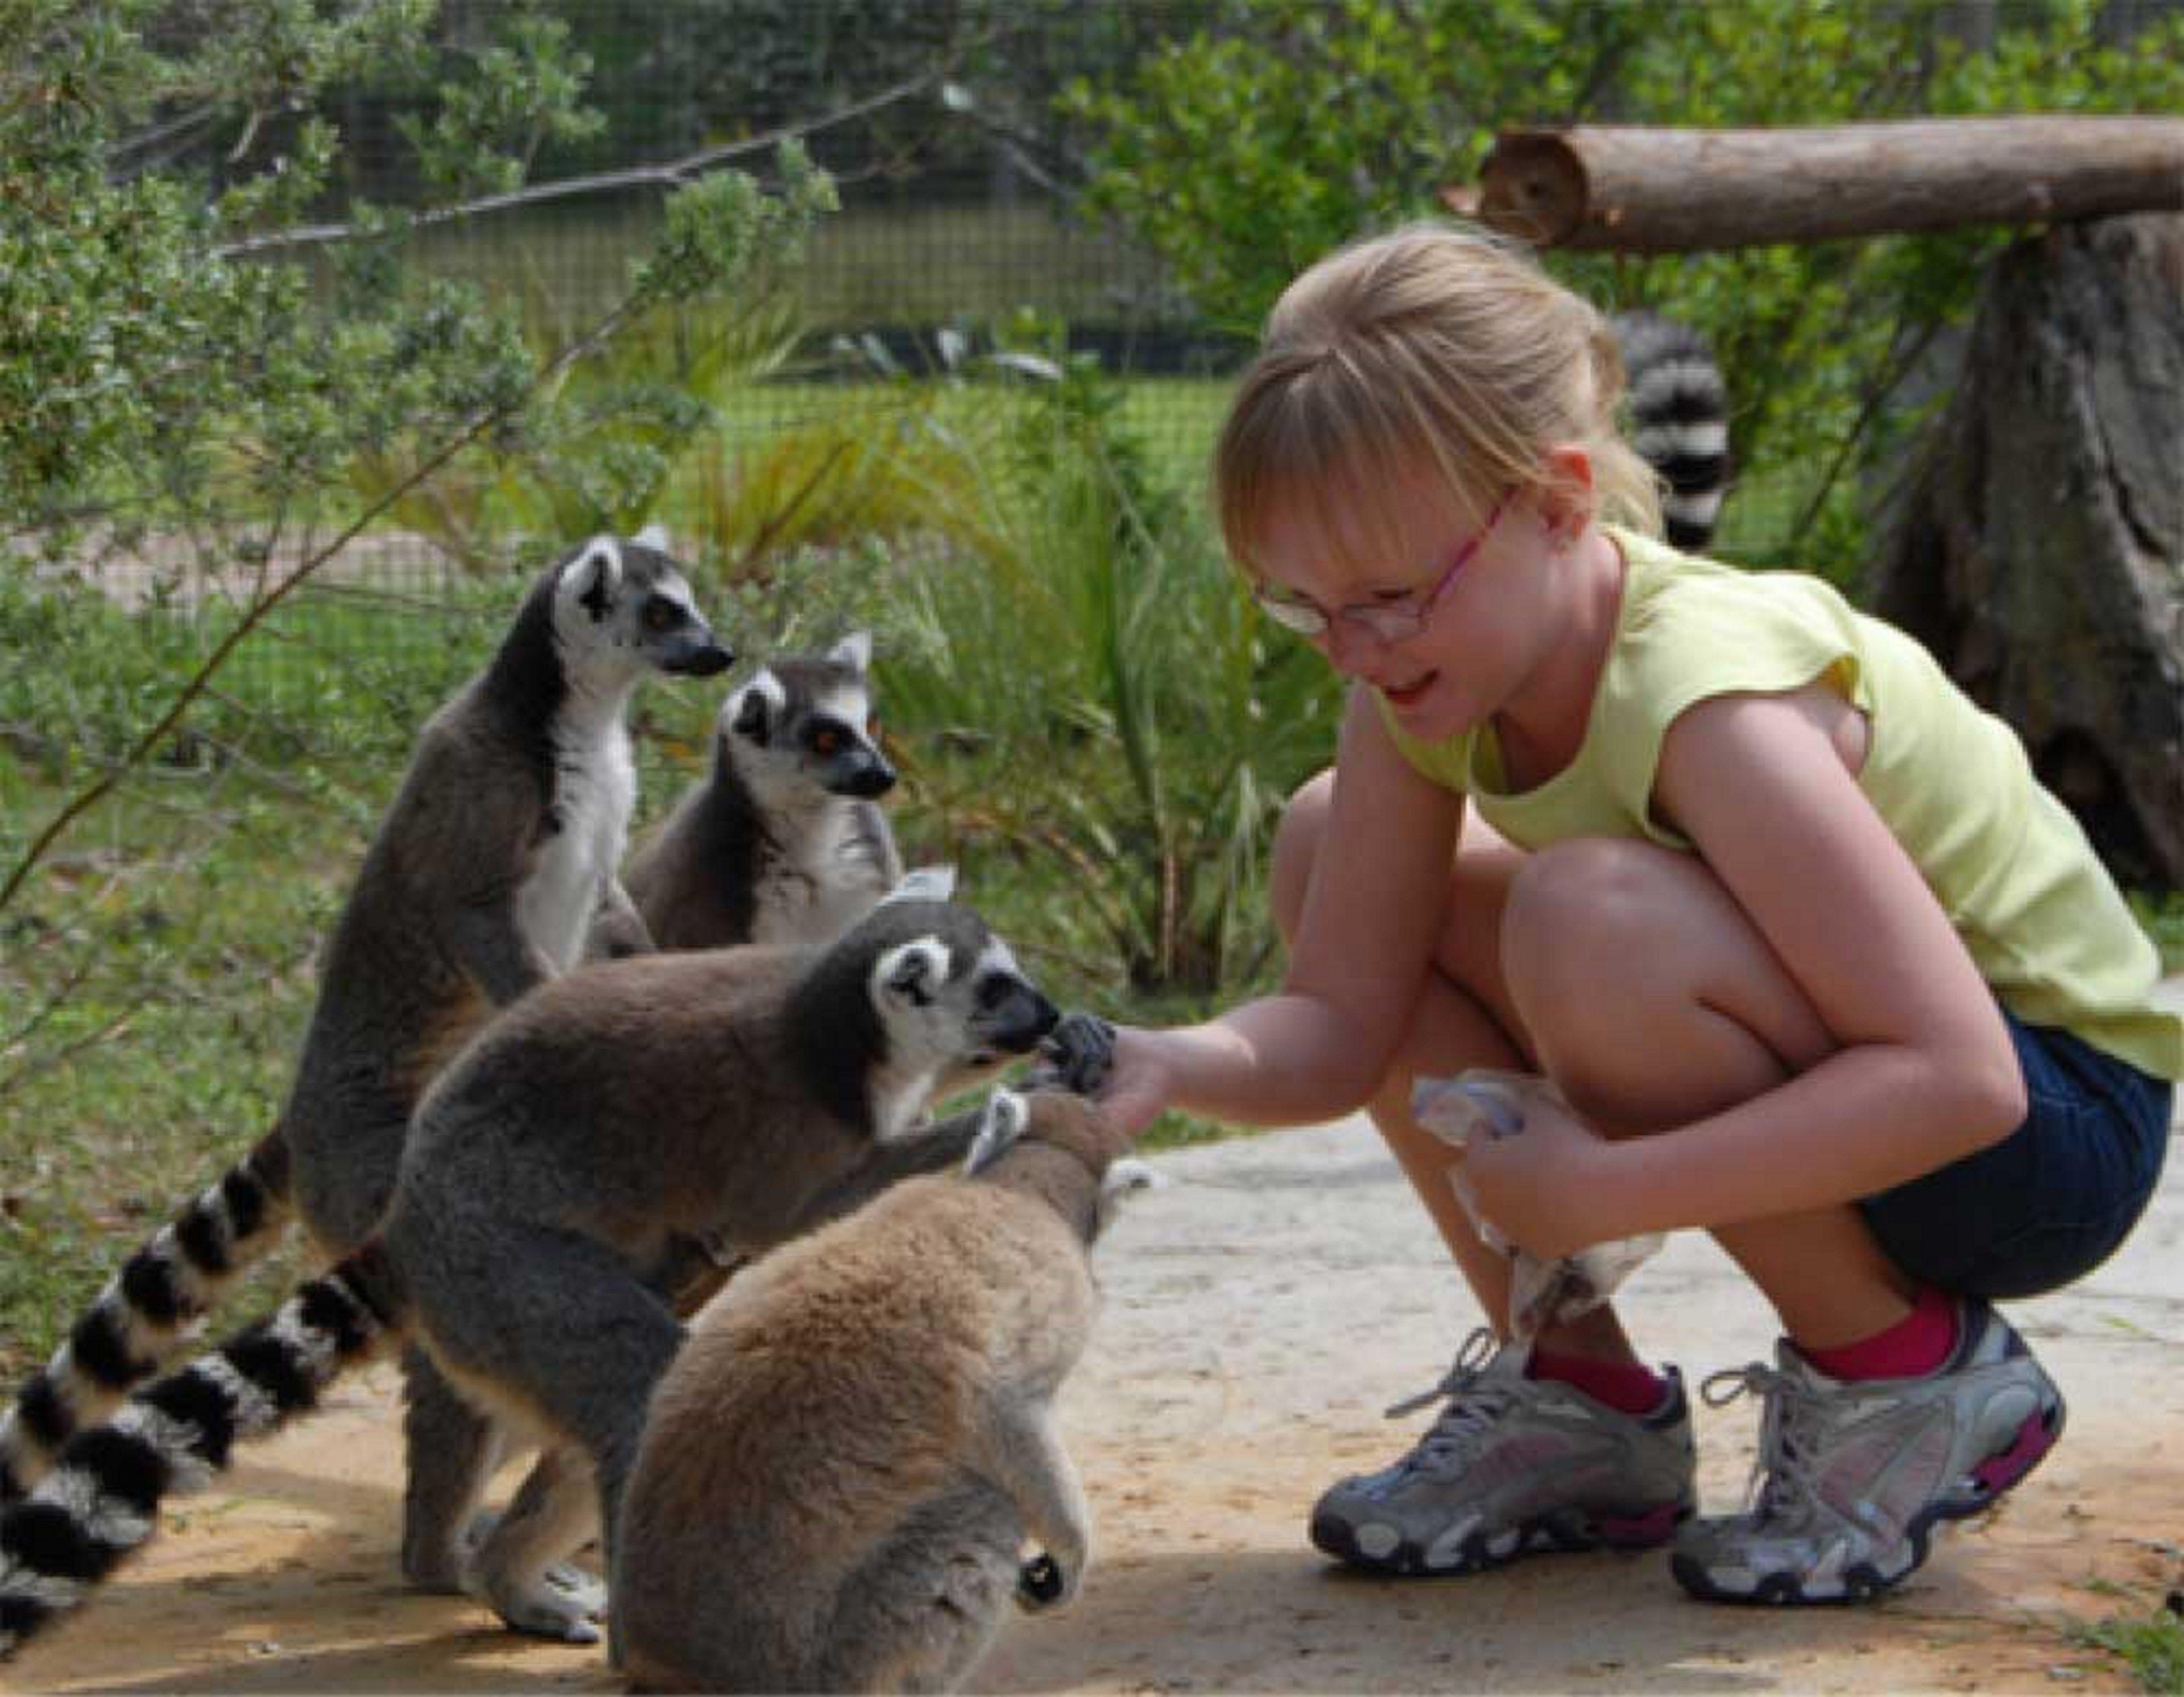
{"x": 1389, "y": 621}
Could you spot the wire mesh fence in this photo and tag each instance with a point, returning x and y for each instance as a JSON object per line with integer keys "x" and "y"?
{"x": 959, "y": 224}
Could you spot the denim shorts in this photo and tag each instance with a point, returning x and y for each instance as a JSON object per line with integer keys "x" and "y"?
{"x": 2051, "y": 1201}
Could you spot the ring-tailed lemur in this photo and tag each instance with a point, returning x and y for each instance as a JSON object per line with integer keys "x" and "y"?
{"x": 783, "y": 841}
{"x": 738, "y": 1094}
{"x": 490, "y": 862}
{"x": 1679, "y": 419}
{"x": 842, "y": 1468}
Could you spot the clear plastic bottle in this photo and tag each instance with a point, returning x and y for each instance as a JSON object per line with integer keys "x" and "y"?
{"x": 1485, "y": 1103}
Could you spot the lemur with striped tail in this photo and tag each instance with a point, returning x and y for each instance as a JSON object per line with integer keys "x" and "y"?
{"x": 492, "y": 862}
{"x": 732, "y": 1095}
{"x": 783, "y": 840}
{"x": 1678, "y": 410}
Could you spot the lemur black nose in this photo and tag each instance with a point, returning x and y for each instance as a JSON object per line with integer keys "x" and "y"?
{"x": 709, "y": 657}
{"x": 875, "y": 777}
{"x": 1031, "y": 1017}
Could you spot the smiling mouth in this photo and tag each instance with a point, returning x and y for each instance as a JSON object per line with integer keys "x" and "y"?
{"x": 1406, "y": 694}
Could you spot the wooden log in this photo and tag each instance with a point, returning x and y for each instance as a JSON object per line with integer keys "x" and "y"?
{"x": 1654, "y": 191}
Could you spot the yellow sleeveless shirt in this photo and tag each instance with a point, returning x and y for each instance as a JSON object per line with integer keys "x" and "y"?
{"x": 2045, "y": 924}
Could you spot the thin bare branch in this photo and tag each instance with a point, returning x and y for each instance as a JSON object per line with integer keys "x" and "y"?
{"x": 671, "y": 174}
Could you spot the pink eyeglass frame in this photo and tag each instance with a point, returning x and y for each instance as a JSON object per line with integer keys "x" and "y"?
{"x": 1386, "y": 621}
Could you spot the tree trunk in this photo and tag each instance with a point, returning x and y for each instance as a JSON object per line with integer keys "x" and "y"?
{"x": 2040, "y": 552}
{"x": 1671, "y": 191}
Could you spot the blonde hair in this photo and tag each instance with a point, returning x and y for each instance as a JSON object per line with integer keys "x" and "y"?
{"x": 1433, "y": 350}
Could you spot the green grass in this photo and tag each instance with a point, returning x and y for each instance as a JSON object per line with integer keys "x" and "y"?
{"x": 2151, "y": 1644}
{"x": 183, "y": 921}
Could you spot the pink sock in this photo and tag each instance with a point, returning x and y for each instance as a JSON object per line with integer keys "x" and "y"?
{"x": 1629, "y": 1387}
{"x": 1916, "y": 1345}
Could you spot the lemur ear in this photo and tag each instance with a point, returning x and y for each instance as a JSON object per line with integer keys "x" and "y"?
{"x": 652, "y": 536}
{"x": 592, "y": 578}
{"x": 854, "y": 650}
{"x": 924, "y": 884}
{"x": 750, "y": 711}
{"x": 914, "y": 971}
{"x": 1000, "y": 1124}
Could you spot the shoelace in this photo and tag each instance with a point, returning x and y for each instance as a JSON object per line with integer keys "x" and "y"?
{"x": 1471, "y": 1410}
{"x": 1781, "y": 1473}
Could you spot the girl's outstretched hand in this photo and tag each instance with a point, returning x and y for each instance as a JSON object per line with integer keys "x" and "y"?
{"x": 1542, "y": 1188}
{"x": 1138, "y": 1086}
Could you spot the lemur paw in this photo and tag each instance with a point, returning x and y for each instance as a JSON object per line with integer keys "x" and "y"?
{"x": 1076, "y": 1056}
{"x": 564, "y": 1602}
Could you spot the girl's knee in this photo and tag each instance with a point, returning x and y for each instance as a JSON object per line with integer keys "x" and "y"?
{"x": 1580, "y": 913}
{"x": 1297, "y": 842}
{"x": 1651, "y": 997}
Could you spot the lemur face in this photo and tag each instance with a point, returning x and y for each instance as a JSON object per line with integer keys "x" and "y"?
{"x": 950, "y": 994}
{"x": 622, "y": 606}
{"x": 809, "y": 722}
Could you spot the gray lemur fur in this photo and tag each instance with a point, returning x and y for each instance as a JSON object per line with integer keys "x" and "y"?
{"x": 782, "y": 840}
{"x": 732, "y": 1095}
{"x": 488, "y": 866}
{"x": 842, "y": 1468}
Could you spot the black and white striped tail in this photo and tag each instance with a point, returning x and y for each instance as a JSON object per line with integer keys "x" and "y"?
{"x": 101, "y": 1500}
{"x": 1678, "y": 420}
{"x": 157, "y": 1298}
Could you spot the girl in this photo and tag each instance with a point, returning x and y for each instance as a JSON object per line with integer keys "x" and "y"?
{"x": 1817, "y": 964}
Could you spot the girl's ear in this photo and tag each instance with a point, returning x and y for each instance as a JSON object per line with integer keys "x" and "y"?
{"x": 1565, "y": 497}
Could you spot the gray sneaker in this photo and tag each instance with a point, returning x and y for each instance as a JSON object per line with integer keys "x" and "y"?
{"x": 1852, "y": 1478}
{"x": 1513, "y": 1466}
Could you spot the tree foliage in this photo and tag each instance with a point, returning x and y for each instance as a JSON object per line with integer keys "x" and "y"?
{"x": 143, "y": 354}
{"x": 1288, "y": 126}
{"x": 167, "y": 362}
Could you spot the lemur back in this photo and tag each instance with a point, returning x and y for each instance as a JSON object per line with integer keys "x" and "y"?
{"x": 496, "y": 853}
{"x": 739, "y": 1095}
{"x": 841, "y": 1468}
{"x": 783, "y": 841}
{"x": 1679, "y": 412}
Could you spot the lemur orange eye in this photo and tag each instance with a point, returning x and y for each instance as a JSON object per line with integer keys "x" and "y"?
{"x": 661, "y": 615}
{"x": 826, "y": 742}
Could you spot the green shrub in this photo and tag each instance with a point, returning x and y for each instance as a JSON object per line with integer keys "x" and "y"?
{"x": 1085, "y": 690}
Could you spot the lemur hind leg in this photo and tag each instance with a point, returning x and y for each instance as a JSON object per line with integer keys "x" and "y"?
{"x": 924, "y": 1606}
{"x": 454, "y": 1447}
{"x": 554, "y": 1332}
{"x": 520, "y": 1569}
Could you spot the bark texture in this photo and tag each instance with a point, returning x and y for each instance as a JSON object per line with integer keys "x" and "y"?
{"x": 2040, "y": 550}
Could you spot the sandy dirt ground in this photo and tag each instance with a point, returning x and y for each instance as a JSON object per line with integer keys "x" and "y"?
{"x": 1260, "y": 1310}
